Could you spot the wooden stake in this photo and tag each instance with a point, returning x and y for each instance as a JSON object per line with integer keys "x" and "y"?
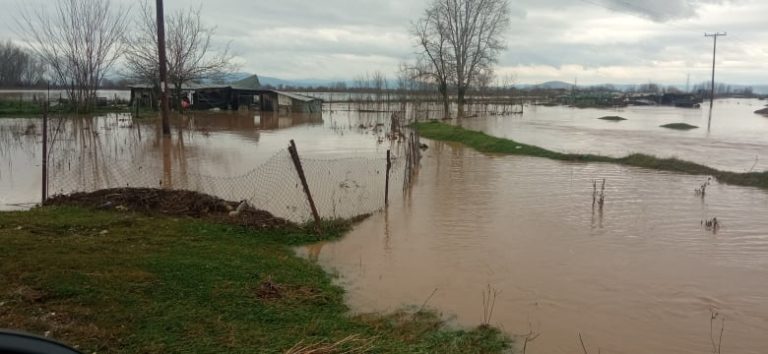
{"x": 300, "y": 170}
{"x": 386, "y": 187}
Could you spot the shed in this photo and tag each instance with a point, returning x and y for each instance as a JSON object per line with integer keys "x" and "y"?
{"x": 243, "y": 93}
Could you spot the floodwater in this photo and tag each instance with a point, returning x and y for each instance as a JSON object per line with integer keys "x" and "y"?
{"x": 640, "y": 276}
{"x": 117, "y": 150}
{"x": 737, "y": 140}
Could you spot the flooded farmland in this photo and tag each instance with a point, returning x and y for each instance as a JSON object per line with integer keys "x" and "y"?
{"x": 736, "y": 140}
{"x": 641, "y": 275}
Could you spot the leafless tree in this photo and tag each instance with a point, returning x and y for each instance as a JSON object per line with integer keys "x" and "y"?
{"x": 190, "y": 53}
{"x": 435, "y": 59}
{"x": 79, "y": 41}
{"x": 469, "y": 34}
{"x": 19, "y": 67}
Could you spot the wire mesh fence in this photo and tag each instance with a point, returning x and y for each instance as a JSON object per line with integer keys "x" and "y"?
{"x": 340, "y": 188}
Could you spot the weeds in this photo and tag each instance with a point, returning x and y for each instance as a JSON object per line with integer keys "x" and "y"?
{"x": 598, "y": 199}
{"x": 717, "y": 346}
{"x": 711, "y": 225}
{"x": 702, "y": 190}
{"x": 489, "y": 303}
{"x": 352, "y": 344}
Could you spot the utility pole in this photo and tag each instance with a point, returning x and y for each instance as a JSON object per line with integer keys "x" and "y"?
{"x": 714, "y": 57}
{"x": 712, "y": 91}
{"x": 163, "y": 68}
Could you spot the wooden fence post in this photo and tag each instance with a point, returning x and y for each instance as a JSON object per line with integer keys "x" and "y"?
{"x": 300, "y": 170}
{"x": 386, "y": 187}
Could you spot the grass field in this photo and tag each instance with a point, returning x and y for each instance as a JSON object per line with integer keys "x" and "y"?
{"x": 111, "y": 282}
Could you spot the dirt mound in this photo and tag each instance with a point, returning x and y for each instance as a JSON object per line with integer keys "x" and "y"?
{"x": 172, "y": 203}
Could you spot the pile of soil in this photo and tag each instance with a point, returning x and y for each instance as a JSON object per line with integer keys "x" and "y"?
{"x": 763, "y": 111}
{"x": 172, "y": 203}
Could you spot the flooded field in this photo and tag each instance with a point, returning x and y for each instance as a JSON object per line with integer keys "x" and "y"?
{"x": 737, "y": 140}
{"x": 642, "y": 276}
{"x": 217, "y": 145}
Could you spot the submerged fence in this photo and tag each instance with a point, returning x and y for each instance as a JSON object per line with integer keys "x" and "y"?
{"x": 339, "y": 188}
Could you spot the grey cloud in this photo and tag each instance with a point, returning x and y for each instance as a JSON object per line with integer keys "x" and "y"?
{"x": 660, "y": 10}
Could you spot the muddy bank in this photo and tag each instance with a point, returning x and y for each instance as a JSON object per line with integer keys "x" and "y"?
{"x": 172, "y": 203}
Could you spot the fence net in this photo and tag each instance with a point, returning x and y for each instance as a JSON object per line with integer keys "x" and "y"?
{"x": 341, "y": 188}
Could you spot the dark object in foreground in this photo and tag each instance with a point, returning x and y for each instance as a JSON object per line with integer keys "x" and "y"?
{"x": 172, "y": 203}
{"x": 22, "y": 343}
{"x": 613, "y": 118}
{"x": 679, "y": 126}
{"x": 763, "y": 111}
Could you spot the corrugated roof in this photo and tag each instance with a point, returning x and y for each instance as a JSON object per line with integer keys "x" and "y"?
{"x": 297, "y": 96}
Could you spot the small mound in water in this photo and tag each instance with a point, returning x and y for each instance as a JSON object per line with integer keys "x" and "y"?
{"x": 172, "y": 203}
{"x": 613, "y": 118}
{"x": 763, "y": 111}
{"x": 680, "y": 126}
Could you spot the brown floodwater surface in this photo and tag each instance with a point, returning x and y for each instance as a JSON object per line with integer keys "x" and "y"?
{"x": 737, "y": 140}
{"x": 642, "y": 276}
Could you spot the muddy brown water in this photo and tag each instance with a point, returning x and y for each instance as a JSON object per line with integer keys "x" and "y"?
{"x": 736, "y": 141}
{"x": 642, "y": 276}
{"x": 217, "y": 145}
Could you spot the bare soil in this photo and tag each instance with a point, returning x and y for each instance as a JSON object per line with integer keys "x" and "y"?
{"x": 172, "y": 203}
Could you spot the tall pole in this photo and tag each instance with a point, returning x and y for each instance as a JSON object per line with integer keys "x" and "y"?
{"x": 44, "y": 192}
{"x": 714, "y": 57}
{"x": 163, "y": 68}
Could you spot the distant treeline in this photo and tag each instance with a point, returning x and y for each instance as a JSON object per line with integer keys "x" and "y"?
{"x": 23, "y": 69}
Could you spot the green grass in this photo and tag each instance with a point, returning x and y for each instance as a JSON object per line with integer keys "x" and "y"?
{"x": 679, "y": 126}
{"x": 489, "y": 144}
{"x": 112, "y": 282}
{"x": 613, "y": 118}
{"x": 24, "y": 109}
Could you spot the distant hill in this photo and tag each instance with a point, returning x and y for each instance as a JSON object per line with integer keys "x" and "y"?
{"x": 276, "y": 82}
{"x": 554, "y": 85}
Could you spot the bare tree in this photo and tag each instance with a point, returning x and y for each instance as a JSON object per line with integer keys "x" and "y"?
{"x": 471, "y": 34}
{"x": 79, "y": 41}
{"x": 18, "y": 67}
{"x": 191, "y": 55}
{"x": 435, "y": 59}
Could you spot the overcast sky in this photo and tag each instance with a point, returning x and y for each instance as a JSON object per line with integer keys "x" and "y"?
{"x": 592, "y": 41}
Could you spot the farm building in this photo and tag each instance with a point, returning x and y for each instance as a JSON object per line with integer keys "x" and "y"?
{"x": 244, "y": 93}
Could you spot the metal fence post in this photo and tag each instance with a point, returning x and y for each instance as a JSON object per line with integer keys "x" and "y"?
{"x": 386, "y": 187}
{"x": 44, "y": 193}
{"x": 300, "y": 170}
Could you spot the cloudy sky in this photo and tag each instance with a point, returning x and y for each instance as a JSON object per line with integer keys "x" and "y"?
{"x": 592, "y": 41}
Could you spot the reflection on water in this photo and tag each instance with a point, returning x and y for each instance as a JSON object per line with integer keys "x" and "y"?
{"x": 223, "y": 144}
{"x": 640, "y": 276}
{"x": 737, "y": 140}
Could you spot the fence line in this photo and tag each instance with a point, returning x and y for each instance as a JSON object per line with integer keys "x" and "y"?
{"x": 340, "y": 188}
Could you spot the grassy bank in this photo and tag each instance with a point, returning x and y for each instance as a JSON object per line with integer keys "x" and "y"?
{"x": 25, "y": 109}
{"x": 113, "y": 282}
{"x": 489, "y": 144}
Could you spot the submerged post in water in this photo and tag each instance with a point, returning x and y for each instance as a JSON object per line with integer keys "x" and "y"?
{"x": 300, "y": 170}
{"x": 386, "y": 186}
